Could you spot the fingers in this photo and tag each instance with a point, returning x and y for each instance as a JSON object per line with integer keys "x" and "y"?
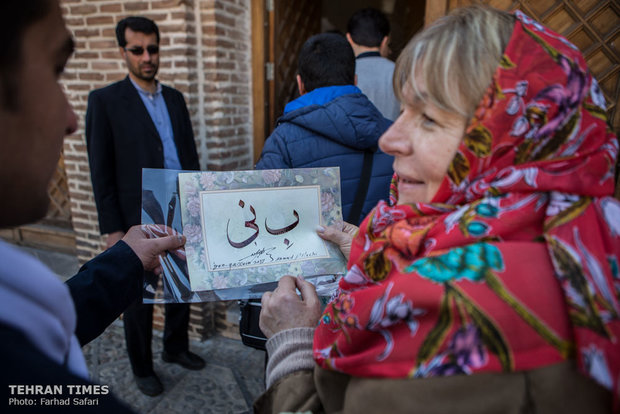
{"x": 286, "y": 284}
{"x": 265, "y": 299}
{"x": 341, "y": 235}
{"x": 326, "y": 233}
{"x": 148, "y": 242}
{"x": 162, "y": 244}
{"x": 180, "y": 253}
{"x": 157, "y": 230}
{"x": 336, "y": 234}
{"x": 307, "y": 289}
{"x": 350, "y": 229}
{"x": 283, "y": 309}
{"x": 166, "y": 238}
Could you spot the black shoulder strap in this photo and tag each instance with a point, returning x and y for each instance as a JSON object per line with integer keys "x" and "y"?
{"x": 362, "y": 189}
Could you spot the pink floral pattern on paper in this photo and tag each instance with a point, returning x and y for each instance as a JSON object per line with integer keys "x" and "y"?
{"x": 193, "y": 184}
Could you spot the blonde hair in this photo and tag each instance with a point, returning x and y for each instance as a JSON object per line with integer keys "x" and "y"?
{"x": 455, "y": 58}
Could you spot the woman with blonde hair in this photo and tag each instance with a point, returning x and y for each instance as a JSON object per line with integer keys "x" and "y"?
{"x": 491, "y": 281}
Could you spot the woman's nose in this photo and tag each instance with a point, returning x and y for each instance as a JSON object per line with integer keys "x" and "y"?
{"x": 394, "y": 140}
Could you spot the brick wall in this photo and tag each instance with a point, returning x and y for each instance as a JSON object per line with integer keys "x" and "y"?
{"x": 205, "y": 53}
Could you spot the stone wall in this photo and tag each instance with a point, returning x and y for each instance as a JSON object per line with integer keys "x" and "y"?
{"x": 205, "y": 53}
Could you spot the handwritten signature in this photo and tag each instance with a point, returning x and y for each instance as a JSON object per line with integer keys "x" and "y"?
{"x": 265, "y": 256}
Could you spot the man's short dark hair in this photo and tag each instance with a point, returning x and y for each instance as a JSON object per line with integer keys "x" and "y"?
{"x": 136, "y": 24}
{"x": 368, "y": 27}
{"x": 15, "y": 17}
{"x": 326, "y": 59}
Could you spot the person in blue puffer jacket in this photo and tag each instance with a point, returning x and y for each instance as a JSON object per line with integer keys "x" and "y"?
{"x": 332, "y": 124}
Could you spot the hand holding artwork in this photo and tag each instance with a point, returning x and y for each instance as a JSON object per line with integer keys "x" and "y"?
{"x": 339, "y": 233}
{"x": 154, "y": 231}
{"x": 149, "y": 241}
{"x": 284, "y": 309}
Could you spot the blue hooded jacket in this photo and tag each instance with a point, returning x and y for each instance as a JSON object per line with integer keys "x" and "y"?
{"x": 333, "y": 127}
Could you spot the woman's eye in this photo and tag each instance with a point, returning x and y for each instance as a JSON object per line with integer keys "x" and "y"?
{"x": 427, "y": 121}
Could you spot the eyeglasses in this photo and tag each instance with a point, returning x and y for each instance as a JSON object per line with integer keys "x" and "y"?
{"x": 139, "y": 50}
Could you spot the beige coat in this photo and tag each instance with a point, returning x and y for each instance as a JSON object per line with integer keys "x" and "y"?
{"x": 554, "y": 389}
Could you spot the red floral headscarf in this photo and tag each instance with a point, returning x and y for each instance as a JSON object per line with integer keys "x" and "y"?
{"x": 514, "y": 265}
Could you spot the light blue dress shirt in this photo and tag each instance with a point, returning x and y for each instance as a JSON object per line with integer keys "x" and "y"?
{"x": 156, "y": 106}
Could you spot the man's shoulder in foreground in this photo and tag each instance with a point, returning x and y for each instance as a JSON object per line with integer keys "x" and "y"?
{"x": 34, "y": 383}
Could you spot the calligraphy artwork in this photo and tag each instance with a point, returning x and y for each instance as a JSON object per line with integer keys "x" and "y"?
{"x": 257, "y": 227}
{"x": 253, "y": 227}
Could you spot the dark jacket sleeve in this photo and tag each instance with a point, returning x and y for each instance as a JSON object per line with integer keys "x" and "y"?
{"x": 100, "y": 146}
{"x": 103, "y": 288}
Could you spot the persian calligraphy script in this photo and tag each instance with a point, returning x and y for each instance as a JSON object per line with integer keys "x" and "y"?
{"x": 252, "y": 225}
{"x": 258, "y": 227}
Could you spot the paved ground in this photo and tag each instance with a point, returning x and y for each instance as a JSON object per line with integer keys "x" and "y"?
{"x": 229, "y": 383}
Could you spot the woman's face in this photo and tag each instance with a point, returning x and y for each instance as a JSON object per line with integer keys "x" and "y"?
{"x": 423, "y": 140}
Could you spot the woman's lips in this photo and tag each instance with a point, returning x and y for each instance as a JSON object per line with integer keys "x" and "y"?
{"x": 408, "y": 181}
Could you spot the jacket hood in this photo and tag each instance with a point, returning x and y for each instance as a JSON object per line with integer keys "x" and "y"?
{"x": 341, "y": 113}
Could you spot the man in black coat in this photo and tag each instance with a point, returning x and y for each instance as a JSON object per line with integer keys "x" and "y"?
{"x": 43, "y": 322}
{"x": 133, "y": 124}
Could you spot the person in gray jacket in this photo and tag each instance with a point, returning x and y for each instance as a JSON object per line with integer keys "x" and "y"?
{"x": 368, "y": 33}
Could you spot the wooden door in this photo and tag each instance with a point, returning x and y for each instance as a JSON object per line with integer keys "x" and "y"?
{"x": 279, "y": 29}
{"x": 592, "y": 25}
{"x": 293, "y": 23}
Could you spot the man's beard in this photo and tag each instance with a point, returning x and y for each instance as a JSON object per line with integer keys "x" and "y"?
{"x": 140, "y": 74}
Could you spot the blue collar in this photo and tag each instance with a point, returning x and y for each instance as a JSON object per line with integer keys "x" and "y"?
{"x": 145, "y": 92}
{"x": 321, "y": 96}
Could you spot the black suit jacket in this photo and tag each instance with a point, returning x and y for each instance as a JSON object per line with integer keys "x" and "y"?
{"x": 122, "y": 139}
